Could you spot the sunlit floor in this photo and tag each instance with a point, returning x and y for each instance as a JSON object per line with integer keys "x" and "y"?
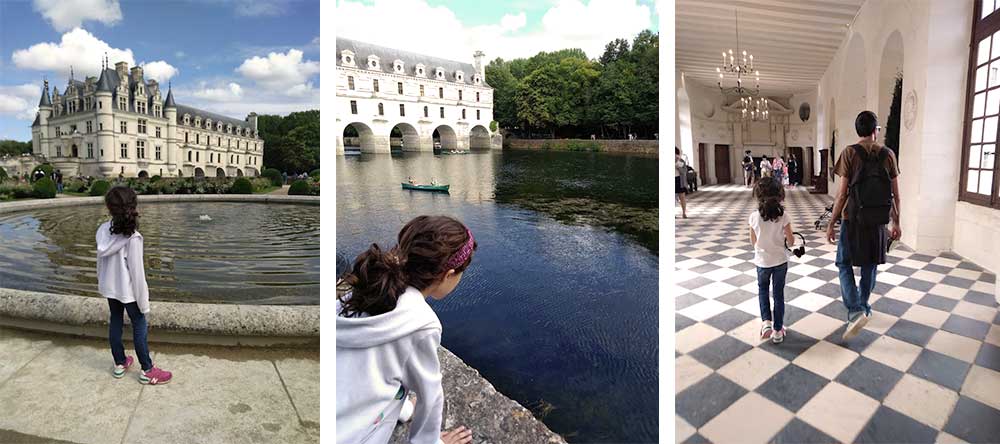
{"x": 925, "y": 369}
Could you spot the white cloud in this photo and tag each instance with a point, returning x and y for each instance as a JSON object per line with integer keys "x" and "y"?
{"x": 77, "y": 48}
{"x": 258, "y": 8}
{"x": 20, "y": 101}
{"x": 301, "y": 90}
{"x": 232, "y": 99}
{"x": 436, "y": 30}
{"x": 68, "y": 14}
{"x": 231, "y": 92}
{"x": 180, "y": 54}
{"x": 159, "y": 70}
{"x": 279, "y": 72}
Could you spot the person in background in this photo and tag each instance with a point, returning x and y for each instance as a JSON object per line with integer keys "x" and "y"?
{"x": 793, "y": 171}
{"x": 778, "y": 167}
{"x": 747, "y": 169}
{"x": 59, "y": 181}
{"x": 766, "y": 169}
{"x": 680, "y": 171}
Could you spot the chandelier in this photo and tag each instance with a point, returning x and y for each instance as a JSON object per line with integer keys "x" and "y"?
{"x": 741, "y": 68}
{"x": 752, "y": 109}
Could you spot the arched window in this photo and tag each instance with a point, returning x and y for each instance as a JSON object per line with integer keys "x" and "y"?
{"x": 189, "y": 156}
{"x": 381, "y": 110}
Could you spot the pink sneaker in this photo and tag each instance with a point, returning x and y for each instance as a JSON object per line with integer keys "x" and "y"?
{"x": 120, "y": 370}
{"x": 155, "y": 376}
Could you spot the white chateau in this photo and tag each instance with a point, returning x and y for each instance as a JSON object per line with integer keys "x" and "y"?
{"x": 429, "y": 101}
{"x": 120, "y": 124}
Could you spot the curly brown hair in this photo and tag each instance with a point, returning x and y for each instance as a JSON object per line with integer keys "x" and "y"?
{"x": 424, "y": 245}
{"x": 122, "y": 202}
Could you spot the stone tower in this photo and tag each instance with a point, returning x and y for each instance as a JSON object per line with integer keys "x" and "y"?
{"x": 170, "y": 112}
{"x": 44, "y": 112}
{"x": 105, "y": 124}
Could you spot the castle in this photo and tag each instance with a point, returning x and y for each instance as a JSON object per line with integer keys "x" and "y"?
{"x": 119, "y": 124}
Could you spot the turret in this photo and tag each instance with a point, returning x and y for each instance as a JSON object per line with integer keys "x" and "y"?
{"x": 480, "y": 68}
{"x": 40, "y": 145}
{"x": 106, "y": 151}
{"x": 170, "y": 112}
{"x": 252, "y": 121}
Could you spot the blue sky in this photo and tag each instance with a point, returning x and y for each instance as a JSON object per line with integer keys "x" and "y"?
{"x": 455, "y": 29}
{"x": 228, "y": 56}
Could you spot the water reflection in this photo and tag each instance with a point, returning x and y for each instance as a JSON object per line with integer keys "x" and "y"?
{"x": 247, "y": 253}
{"x": 557, "y": 311}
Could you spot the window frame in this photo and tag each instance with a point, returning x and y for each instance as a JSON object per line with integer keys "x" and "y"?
{"x": 982, "y": 28}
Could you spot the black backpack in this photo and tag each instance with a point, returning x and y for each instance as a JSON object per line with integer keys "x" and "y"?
{"x": 870, "y": 189}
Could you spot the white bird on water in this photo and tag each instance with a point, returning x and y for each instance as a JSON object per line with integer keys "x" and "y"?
{"x": 204, "y": 217}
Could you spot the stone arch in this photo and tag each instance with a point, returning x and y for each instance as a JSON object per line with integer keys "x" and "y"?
{"x": 143, "y": 174}
{"x": 479, "y": 138}
{"x": 685, "y": 133}
{"x": 198, "y": 172}
{"x": 446, "y": 136}
{"x": 219, "y": 172}
{"x": 357, "y": 135}
{"x": 404, "y": 136}
{"x": 239, "y": 173}
{"x": 891, "y": 66}
{"x": 75, "y": 150}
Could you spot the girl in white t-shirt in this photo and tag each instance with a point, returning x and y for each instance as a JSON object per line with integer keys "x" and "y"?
{"x": 770, "y": 229}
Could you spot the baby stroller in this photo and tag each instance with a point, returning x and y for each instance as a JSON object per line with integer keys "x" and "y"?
{"x": 824, "y": 219}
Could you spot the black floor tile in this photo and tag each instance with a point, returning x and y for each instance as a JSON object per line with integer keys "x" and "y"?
{"x": 824, "y": 275}
{"x": 938, "y": 268}
{"x": 956, "y": 281}
{"x": 891, "y": 306}
{"x": 901, "y": 270}
{"x": 921, "y": 258}
{"x": 870, "y": 377}
{"x": 740, "y": 280}
{"x": 681, "y": 322}
{"x": 835, "y": 310}
{"x": 729, "y": 319}
{"x": 970, "y": 328}
{"x": 794, "y": 345}
{"x": 792, "y": 387}
{"x": 940, "y": 369}
{"x": 695, "y": 282}
{"x": 705, "y": 268}
{"x": 912, "y": 332}
{"x": 917, "y": 284}
{"x": 978, "y": 297}
{"x": 736, "y": 297}
{"x": 890, "y": 426}
{"x": 829, "y": 290}
{"x": 989, "y": 278}
{"x": 701, "y": 402}
{"x": 989, "y": 356}
{"x": 686, "y": 300}
{"x": 938, "y": 302}
{"x": 974, "y": 422}
{"x": 720, "y": 351}
{"x": 697, "y": 439}
{"x": 799, "y": 432}
{"x": 858, "y": 343}
{"x": 969, "y": 266}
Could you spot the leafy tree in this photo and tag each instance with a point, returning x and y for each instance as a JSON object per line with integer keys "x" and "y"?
{"x": 291, "y": 143}
{"x": 14, "y": 148}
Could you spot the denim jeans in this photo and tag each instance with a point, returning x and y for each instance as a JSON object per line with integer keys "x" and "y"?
{"x": 775, "y": 276}
{"x": 138, "y": 332}
{"x": 855, "y": 299}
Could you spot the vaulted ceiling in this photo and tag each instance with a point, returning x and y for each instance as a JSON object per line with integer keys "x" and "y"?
{"x": 792, "y": 41}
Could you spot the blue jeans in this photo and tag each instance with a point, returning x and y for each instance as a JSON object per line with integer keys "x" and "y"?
{"x": 138, "y": 333}
{"x": 775, "y": 276}
{"x": 855, "y": 300}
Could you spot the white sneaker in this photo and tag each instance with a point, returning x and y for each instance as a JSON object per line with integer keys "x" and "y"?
{"x": 778, "y": 336}
{"x": 406, "y": 414}
{"x": 854, "y": 327}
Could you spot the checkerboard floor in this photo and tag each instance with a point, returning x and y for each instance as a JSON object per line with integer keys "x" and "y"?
{"x": 925, "y": 369}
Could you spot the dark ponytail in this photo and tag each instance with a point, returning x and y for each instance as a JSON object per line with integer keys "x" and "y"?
{"x": 122, "y": 202}
{"x": 377, "y": 278}
{"x": 769, "y": 194}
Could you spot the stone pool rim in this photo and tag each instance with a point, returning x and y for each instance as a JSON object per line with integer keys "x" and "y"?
{"x": 169, "y": 322}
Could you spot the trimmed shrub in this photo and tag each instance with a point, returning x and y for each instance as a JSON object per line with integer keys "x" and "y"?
{"x": 299, "y": 188}
{"x": 155, "y": 178}
{"x": 45, "y": 188}
{"x": 314, "y": 173}
{"x": 274, "y": 175}
{"x": 15, "y": 190}
{"x": 241, "y": 186}
{"x": 100, "y": 188}
{"x": 46, "y": 168}
{"x": 493, "y": 126}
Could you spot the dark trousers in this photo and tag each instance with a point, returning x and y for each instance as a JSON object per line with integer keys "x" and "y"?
{"x": 773, "y": 277}
{"x": 138, "y": 332}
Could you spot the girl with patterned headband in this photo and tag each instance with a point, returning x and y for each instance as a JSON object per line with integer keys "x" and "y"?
{"x": 387, "y": 335}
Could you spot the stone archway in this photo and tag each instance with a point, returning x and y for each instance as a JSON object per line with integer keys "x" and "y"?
{"x": 891, "y": 68}
{"x": 479, "y": 138}
{"x": 239, "y": 173}
{"x": 358, "y": 136}
{"x": 445, "y": 138}
{"x": 404, "y": 136}
{"x": 198, "y": 172}
{"x": 219, "y": 172}
{"x": 143, "y": 174}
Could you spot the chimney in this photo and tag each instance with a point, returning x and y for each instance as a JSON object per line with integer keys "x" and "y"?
{"x": 122, "y": 69}
{"x": 480, "y": 68}
{"x": 136, "y": 74}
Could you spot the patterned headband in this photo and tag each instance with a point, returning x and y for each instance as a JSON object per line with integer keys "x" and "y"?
{"x": 462, "y": 254}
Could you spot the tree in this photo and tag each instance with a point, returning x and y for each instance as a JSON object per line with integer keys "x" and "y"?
{"x": 291, "y": 143}
{"x": 14, "y": 148}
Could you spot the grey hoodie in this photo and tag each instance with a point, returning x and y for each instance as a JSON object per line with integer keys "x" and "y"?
{"x": 379, "y": 359}
{"x": 120, "y": 272}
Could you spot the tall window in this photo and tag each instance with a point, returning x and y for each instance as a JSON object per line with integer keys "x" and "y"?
{"x": 142, "y": 126}
{"x": 189, "y": 156}
{"x": 421, "y": 90}
{"x": 463, "y": 113}
{"x": 157, "y": 152}
{"x": 381, "y": 110}
{"x": 477, "y": 114}
{"x": 58, "y": 151}
{"x": 186, "y": 140}
{"x": 399, "y": 87}
{"x": 459, "y": 94}
{"x": 90, "y": 126}
{"x": 375, "y": 85}
{"x": 442, "y": 112}
{"x": 90, "y": 150}
{"x": 157, "y": 131}
{"x": 122, "y": 103}
{"x": 140, "y": 149}
{"x": 124, "y": 147}
{"x": 979, "y": 147}
{"x": 123, "y": 126}
{"x": 477, "y": 96}
{"x": 354, "y": 106}
{"x": 350, "y": 82}
{"x": 402, "y": 110}
{"x": 197, "y": 139}
{"x": 440, "y": 93}
{"x": 156, "y": 111}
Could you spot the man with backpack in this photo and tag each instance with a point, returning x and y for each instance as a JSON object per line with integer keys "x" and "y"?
{"x": 747, "y": 169}
{"x": 868, "y": 200}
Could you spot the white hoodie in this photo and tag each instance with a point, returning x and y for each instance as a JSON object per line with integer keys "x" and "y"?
{"x": 120, "y": 273}
{"x": 381, "y": 357}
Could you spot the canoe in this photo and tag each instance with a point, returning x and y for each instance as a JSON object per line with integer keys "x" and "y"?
{"x": 407, "y": 186}
{"x": 449, "y": 153}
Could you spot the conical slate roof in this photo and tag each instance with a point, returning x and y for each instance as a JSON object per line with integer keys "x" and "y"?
{"x": 45, "y": 100}
{"x": 169, "y": 103}
{"x": 104, "y": 83}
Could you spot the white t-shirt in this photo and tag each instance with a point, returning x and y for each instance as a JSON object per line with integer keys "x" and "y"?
{"x": 770, "y": 249}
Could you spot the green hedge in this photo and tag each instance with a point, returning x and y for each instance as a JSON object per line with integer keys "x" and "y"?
{"x": 314, "y": 173}
{"x": 3, "y": 174}
{"x": 274, "y": 175}
{"x": 242, "y": 185}
{"x": 100, "y": 188}
{"x": 299, "y": 188}
{"x": 45, "y": 188}
{"x": 15, "y": 190}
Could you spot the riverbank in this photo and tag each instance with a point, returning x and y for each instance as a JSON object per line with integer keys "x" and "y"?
{"x": 638, "y": 147}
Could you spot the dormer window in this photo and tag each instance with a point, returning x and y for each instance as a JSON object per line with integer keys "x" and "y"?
{"x": 459, "y": 76}
{"x": 197, "y": 122}
{"x": 373, "y": 62}
{"x": 419, "y": 70}
{"x": 218, "y": 127}
{"x": 477, "y": 79}
{"x": 187, "y": 120}
{"x": 439, "y": 73}
{"x": 229, "y": 128}
{"x": 397, "y": 66}
{"x": 347, "y": 58}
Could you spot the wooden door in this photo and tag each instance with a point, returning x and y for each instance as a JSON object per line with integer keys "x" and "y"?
{"x": 722, "y": 171}
{"x": 797, "y": 152}
{"x": 702, "y": 163}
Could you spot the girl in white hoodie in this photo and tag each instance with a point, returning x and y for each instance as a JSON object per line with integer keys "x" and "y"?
{"x": 121, "y": 279}
{"x": 387, "y": 335}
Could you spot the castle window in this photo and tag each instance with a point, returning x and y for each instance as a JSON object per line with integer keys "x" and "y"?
{"x": 399, "y": 88}
{"x": 442, "y": 112}
{"x": 425, "y": 112}
{"x": 100, "y": 105}
{"x": 440, "y": 93}
{"x": 421, "y": 90}
{"x": 197, "y": 156}
{"x": 350, "y": 83}
{"x": 402, "y": 110}
{"x": 140, "y": 147}
{"x": 142, "y": 126}
{"x": 197, "y": 139}
{"x": 398, "y": 66}
{"x": 124, "y": 147}
{"x": 122, "y": 103}
{"x": 90, "y": 150}
{"x": 58, "y": 151}
{"x": 476, "y": 79}
{"x": 123, "y": 126}
{"x": 100, "y": 126}
{"x": 381, "y": 110}
{"x": 189, "y": 155}
{"x": 90, "y": 126}
{"x": 373, "y": 62}
{"x": 186, "y": 139}
{"x": 459, "y": 94}
{"x": 463, "y": 113}
{"x": 477, "y": 96}
{"x": 347, "y": 58}
{"x": 157, "y": 152}
{"x": 459, "y": 76}
{"x": 157, "y": 112}
{"x": 419, "y": 69}
{"x": 477, "y": 114}
{"x": 157, "y": 131}
{"x": 439, "y": 73}
{"x": 375, "y": 85}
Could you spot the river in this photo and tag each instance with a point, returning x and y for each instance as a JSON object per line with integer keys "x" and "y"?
{"x": 559, "y": 307}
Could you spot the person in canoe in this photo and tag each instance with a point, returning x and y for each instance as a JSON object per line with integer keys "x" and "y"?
{"x": 410, "y": 180}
